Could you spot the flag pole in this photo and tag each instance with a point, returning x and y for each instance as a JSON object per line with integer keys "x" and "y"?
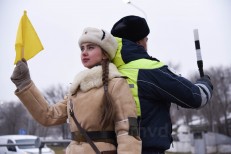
{"x": 22, "y": 53}
{"x": 198, "y": 52}
{"x": 23, "y": 22}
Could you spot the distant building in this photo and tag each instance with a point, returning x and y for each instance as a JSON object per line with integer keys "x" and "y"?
{"x": 189, "y": 140}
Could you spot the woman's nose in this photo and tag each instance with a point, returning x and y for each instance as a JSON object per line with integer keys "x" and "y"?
{"x": 84, "y": 52}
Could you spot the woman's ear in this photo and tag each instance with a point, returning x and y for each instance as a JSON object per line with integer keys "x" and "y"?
{"x": 105, "y": 56}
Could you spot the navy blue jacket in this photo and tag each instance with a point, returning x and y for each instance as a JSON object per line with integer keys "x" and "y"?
{"x": 155, "y": 87}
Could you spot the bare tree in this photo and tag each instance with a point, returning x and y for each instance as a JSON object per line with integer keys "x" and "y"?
{"x": 13, "y": 117}
{"x": 217, "y": 110}
{"x": 221, "y": 101}
{"x": 54, "y": 94}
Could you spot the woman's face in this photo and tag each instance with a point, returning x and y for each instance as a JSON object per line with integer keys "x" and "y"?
{"x": 91, "y": 54}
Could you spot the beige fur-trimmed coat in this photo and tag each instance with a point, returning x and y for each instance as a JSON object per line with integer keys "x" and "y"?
{"x": 87, "y": 102}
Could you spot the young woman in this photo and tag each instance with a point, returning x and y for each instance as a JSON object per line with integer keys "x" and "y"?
{"x": 99, "y": 99}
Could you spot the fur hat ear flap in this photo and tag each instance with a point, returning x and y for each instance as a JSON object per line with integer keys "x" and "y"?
{"x": 100, "y": 37}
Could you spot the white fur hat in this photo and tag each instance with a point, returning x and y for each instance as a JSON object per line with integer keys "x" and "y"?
{"x": 100, "y": 37}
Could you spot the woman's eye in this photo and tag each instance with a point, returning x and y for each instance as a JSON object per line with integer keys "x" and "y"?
{"x": 90, "y": 47}
{"x": 82, "y": 49}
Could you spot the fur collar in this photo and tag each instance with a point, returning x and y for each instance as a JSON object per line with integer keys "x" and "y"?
{"x": 92, "y": 78}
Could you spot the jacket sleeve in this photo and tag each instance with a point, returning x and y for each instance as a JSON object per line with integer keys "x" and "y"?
{"x": 39, "y": 108}
{"x": 125, "y": 108}
{"x": 177, "y": 89}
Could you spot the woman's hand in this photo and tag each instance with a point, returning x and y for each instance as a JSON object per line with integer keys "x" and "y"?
{"x": 21, "y": 75}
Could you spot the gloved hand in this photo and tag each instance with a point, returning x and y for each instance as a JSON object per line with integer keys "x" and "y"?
{"x": 206, "y": 79}
{"x": 21, "y": 75}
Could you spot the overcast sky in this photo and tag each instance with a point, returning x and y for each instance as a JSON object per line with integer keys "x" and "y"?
{"x": 59, "y": 23}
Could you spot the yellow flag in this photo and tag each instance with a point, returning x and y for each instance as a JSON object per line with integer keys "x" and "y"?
{"x": 27, "y": 43}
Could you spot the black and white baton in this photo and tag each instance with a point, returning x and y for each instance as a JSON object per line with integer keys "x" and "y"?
{"x": 198, "y": 52}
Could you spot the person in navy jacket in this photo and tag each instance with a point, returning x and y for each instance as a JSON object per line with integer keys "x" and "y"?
{"x": 154, "y": 86}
